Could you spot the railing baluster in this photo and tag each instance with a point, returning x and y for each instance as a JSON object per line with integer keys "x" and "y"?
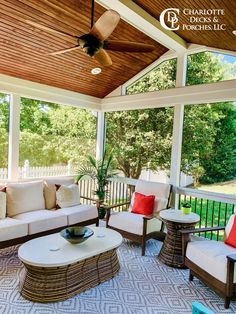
{"x": 206, "y": 221}
{"x": 217, "y": 236}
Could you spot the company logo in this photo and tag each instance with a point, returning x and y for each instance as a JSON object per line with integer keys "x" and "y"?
{"x": 170, "y": 15}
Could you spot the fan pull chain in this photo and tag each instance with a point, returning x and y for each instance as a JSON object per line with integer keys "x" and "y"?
{"x": 92, "y": 14}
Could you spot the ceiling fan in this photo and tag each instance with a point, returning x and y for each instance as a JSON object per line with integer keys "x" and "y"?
{"x": 95, "y": 42}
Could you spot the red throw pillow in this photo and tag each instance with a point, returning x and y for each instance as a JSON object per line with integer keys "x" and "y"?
{"x": 143, "y": 204}
{"x": 231, "y": 240}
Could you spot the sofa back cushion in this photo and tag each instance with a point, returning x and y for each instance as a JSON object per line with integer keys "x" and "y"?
{"x": 50, "y": 190}
{"x": 3, "y": 202}
{"x": 24, "y": 197}
{"x": 67, "y": 196}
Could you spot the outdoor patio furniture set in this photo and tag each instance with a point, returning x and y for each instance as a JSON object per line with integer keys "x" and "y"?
{"x": 63, "y": 270}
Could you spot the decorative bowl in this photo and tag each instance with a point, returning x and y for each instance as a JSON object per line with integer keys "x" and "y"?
{"x": 76, "y": 235}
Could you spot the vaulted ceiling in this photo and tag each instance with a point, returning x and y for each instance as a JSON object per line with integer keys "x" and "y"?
{"x": 25, "y": 49}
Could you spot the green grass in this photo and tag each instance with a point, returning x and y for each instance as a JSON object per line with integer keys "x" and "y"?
{"x": 224, "y": 187}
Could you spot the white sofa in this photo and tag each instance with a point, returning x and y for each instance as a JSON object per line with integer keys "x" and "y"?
{"x": 31, "y": 212}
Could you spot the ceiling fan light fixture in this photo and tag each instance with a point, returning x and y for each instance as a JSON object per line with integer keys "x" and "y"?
{"x": 234, "y": 32}
{"x": 96, "y": 71}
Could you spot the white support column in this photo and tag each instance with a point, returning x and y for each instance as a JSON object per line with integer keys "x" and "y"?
{"x": 175, "y": 168}
{"x": 14, "y": 137}
{"x": 100, "y": 135}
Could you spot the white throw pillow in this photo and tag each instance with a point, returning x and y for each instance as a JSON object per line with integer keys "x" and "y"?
{"x": 24, "y": 197}
{"x": 3, "y": 205}
{"x": 67, "y": 196}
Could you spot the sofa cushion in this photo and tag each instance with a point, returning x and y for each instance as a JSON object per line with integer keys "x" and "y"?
{"x": 12, "y": 229}
{"x": 210, "y": 255}
{"x": 79, "y": 213}
{"x": 24, "y": 197}
{"x": 3, "y": 203}
{"x": 67, "y": 196}
{"x": 50, "y": 190}
{"x": 42, "y": 220}
{"x": 133, "y": 223}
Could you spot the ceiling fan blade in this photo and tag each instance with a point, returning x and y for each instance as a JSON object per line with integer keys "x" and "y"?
{"x": 105, "y": 25}
{"x": 103, "y": 58}
{"x": 49, "y": 29}
{"x": 127, "y": 46}
{"x": 64, "y": 50}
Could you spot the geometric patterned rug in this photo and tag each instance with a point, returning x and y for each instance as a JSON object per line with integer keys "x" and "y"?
{"x": 143, "y": 286}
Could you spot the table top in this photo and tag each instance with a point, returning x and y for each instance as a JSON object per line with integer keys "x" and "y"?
{"x": 54, "y": 251}
{"x": 176, "y": 215}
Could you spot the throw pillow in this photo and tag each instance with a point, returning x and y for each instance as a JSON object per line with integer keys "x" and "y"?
{"x": 231, "y": 239}
{"x": 67, "y": 196}
{"x": 143, "y": 204}
{"x": 159, "y": 203}
{"x": 50, "y": 190}
{"x": 3, "y": 203}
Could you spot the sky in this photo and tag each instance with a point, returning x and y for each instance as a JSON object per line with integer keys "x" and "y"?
{"x": 227, "y": 58}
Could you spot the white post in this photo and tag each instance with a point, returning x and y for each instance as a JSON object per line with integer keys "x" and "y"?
{"x": 100, "y": 135}
{"x": 175, "y": 168}
{"x": 14, "y": 137}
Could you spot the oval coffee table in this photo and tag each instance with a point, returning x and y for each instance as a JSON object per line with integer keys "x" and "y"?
{"x": 175, "y": 220}
{"x": 56, "y": 270}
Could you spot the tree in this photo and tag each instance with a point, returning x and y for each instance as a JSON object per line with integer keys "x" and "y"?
{"x": 143, "y": 138}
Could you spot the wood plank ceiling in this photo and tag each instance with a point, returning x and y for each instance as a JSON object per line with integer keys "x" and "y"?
{"x": 223, "y": 39}
{"x": 24, "y": 48}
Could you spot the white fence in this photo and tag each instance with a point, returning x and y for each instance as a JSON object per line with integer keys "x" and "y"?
{"x": 37, "y": 172}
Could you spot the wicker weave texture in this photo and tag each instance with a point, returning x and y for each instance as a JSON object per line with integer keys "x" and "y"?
{"x": 52, "y": 284}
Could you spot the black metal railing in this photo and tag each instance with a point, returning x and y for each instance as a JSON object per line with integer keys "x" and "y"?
{"x": 214, "y": 209}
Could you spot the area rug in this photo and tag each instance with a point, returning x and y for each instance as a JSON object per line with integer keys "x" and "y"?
{"x": 143, "y": 286}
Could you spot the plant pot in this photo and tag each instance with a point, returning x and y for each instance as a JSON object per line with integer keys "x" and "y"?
{"x": 186, "y": 210}
{"x": 101, "y": 213}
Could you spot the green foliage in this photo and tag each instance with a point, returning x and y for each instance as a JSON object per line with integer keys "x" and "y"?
{"x": 142, "y": 138}
{"x": 99, "y": 170}
{"x": 49, "y": 133}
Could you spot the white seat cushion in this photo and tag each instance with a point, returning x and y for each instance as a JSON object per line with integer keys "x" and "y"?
{"x": 79, "y": 213}
{"x": 42, "y": 220}
{"x": 133, "y": 223}
{"x": 210, "y": 256}
{"x": 12, "y": 229}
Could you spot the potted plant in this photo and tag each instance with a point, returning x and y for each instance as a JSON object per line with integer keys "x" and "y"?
{"x": 101, "y": 171}
{"x": 186, "y": 208}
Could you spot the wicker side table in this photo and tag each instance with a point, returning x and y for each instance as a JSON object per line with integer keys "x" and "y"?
{"x": 175, "y": 220}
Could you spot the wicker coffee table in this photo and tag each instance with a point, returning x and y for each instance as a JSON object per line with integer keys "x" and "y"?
{"x": 56, "y": 270}
{"x": 175, "y": 220}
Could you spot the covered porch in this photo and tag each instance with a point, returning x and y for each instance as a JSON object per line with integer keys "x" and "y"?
{"x": 144, "y": 285}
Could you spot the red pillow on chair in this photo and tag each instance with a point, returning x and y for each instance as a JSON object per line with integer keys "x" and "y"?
{"x": 143, "y": 204}
{"x": 231, "y": 240}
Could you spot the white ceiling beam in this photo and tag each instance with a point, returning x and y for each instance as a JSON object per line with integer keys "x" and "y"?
{"x": 28, "y": 89}
{"x": 140, "y": 19}
{"x": 188, "y": 95}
